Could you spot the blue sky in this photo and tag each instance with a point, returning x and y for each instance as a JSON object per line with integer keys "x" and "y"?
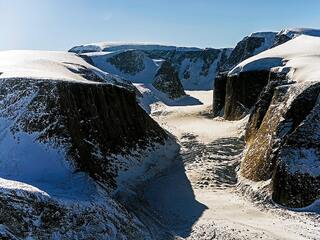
{"x": 61, "y": 24}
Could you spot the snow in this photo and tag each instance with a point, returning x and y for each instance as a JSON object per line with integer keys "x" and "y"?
{"x": 25, "y": 160}
{"x": 49, "y": 65}
{"x": 116, "y": 46}
{"x": 146, "y": 75}
{"x": 268, "y": 37}
{"x": 153, "y": 160}
{"x": 152, "y": 96}
{"x": 301, "y": 55}
{"x": 9, "y": 185}
{"x": 196, "y": 79}
{"x": 304, "y": 161}
{"x": 194, "y": 200}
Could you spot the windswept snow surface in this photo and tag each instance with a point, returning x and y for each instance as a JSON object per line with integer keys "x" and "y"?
{"x": 301, "y": 56}
{"x": 295, "y": 32}
{"x": 49, "y": 65}
{"x": 199, "y": 197}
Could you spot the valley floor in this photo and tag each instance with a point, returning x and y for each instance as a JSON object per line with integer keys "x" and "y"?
{"x": 198, "y": 197}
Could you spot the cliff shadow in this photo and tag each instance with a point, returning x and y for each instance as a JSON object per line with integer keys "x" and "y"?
{"x": 172, "y": 199}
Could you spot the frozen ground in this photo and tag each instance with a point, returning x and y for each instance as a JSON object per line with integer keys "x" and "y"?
{"x": 198, "y": 197}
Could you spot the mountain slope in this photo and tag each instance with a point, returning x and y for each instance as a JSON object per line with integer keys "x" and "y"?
{"x": 248, "y": 47}
{"x": 71, "y": 137}
{"x": 282, "y": 133}
{"x": 196, "y": 67}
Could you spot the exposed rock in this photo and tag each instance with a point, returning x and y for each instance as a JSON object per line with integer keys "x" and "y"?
{"x": 282, "y": 134}
{"x": 285, "y": 145}
{"x": 280, "y": 39}
{"x": 297, "y": 181}
{"x": 248, "y": 47}
{"x": 219, "y": 93}
{"x": 167, "y": 81}
{"x": 87, "y": 118}
{"x": 79, "y": 135}
{"x": 27, "y": 212}
{"x": 242, "y": 92}
{"x": 196, "y": 67}
{"x": 130, "y": 61}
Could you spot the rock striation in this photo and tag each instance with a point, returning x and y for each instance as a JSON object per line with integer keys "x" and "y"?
{"x": 282, "y": 135}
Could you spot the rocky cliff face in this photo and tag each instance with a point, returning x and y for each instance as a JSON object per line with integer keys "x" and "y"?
{"x": 196, "y": 67}
{"x": 282, "y": 134}
{"x": 283, "y": 142}
{"x": 71, "y": 137}
{"x": 91, "y": 122}
{"x": 242, "y": 92}
{"x": 167, "y": 81}
{"x": 248, "y": 47}
{"x": 129, "y": 62}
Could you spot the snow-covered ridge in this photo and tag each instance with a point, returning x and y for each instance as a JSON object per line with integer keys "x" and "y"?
{"x": 301, "y": 55}
{"x": 294, "y": 32}
{"x": 109, "y": 46}
{"x": 132, "y": 65}
{"x": 50, "y": 65}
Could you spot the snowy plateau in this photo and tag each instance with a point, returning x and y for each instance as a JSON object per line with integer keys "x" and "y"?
{"x": 145, "y": 141}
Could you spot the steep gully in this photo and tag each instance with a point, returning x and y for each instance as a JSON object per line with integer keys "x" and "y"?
{"x": 199, "y": 197}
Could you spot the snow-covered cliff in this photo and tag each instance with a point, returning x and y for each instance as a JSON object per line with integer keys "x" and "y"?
{"x": 283, "y": 131}
{"x": 71, "y": 137}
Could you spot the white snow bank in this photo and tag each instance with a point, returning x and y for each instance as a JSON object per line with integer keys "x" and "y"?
{"x": 153, "y": 161}
{"x": 24, "y": 160}
{"x": 47, "y": 65}
{"x": 295, "y": 32}
{"x": 301, "y": 55}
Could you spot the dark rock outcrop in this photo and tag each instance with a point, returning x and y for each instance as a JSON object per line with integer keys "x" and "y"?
{"x": 280, "y": 39}
{"x": 242, "y": 92}
{"x": 283, "y": 142}
{"x": 219, "y": 93}
{"x": 167, "y": 81}
{"x": 234, "y": 96}
{"x": 128, "y": 62}
{"x": 92, "y": 122}
{"x": 296, "y": 182}
{"x": 248, "y": 47}
{"x": 71, "y": 139}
